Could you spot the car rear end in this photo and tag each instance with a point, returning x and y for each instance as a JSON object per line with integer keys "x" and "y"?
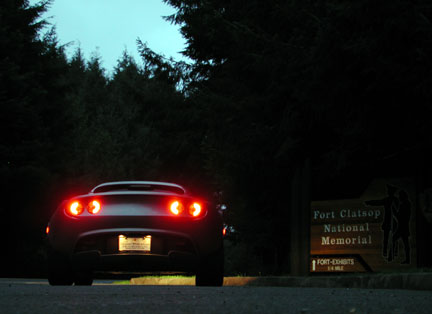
{"x": 137, "y": 231}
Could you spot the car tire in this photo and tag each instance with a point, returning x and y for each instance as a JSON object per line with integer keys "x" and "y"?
{"x": 59, "y": 269}
{"x": 211, "y": 270}
{"x": 83, "y": 278}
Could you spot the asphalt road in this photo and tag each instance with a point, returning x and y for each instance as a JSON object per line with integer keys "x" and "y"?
{"x": 36, "y": 296}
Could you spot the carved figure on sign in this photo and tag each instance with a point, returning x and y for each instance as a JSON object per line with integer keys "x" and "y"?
{"x": 402, "y": 231}
{"x": 390, "y": 204}
{"x": 395, "y": 225}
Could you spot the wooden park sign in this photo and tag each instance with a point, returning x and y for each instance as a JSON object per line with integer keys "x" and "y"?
{"x": 374, "y": 232}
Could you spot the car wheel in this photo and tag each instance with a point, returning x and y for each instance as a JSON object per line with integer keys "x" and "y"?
{"x": 211, "y": 270}
{"x": 59, "y": 269}
{"x": 83, "y": 278}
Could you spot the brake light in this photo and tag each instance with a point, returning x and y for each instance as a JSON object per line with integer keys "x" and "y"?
{"x": 176, "y": 207}
{"x": 195, "y": 209}
{"x": 75, "y": 209}
{"x": 47, "y": 230}
{"x": 94, "y": 207}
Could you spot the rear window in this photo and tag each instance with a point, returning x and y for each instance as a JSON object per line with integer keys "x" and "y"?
{"x": 139, "y": 187}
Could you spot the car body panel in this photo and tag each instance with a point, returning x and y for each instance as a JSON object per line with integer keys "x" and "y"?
{"x": 180, "y": 242}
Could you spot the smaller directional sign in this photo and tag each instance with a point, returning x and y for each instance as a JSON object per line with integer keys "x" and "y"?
{"x": 336, "y": 264}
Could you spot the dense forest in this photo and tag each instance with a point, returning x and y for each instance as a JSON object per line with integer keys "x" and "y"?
{"x": 342, "y": 84}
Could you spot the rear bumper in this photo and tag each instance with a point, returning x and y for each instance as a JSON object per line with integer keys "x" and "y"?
{"x": 173, "y": 261}
{"x": 68, "y": 236}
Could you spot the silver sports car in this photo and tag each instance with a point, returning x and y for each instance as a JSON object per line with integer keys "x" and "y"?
{"x": 135, "y": 226}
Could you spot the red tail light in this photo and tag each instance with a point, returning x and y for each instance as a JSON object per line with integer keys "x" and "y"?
{"x": 195, "y": 209}
{"x": 47, "y": 230}
{"x": 176, "y": 207}
{"x": 94, "y": 207}
{"x": 75, "y": 209}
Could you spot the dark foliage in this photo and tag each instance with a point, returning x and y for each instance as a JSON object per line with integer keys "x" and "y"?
{"x": 344, "y": 84}
{"x": 67, "y": 126}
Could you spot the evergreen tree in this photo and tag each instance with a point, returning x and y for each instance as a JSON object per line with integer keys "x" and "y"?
{"x": 21, "y": 128}
{"x": 28, "y": 75}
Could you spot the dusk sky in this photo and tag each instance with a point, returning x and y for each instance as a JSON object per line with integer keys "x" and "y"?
{"x": 108, "y": 27}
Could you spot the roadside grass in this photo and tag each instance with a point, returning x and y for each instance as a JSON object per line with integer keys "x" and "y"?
{"x": 122, "y": 282}
{"x": 127, "y": 282}
{"x": 388, "y": 272}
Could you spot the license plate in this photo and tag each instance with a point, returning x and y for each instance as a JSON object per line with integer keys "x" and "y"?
{"x": 141, "y": 244}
